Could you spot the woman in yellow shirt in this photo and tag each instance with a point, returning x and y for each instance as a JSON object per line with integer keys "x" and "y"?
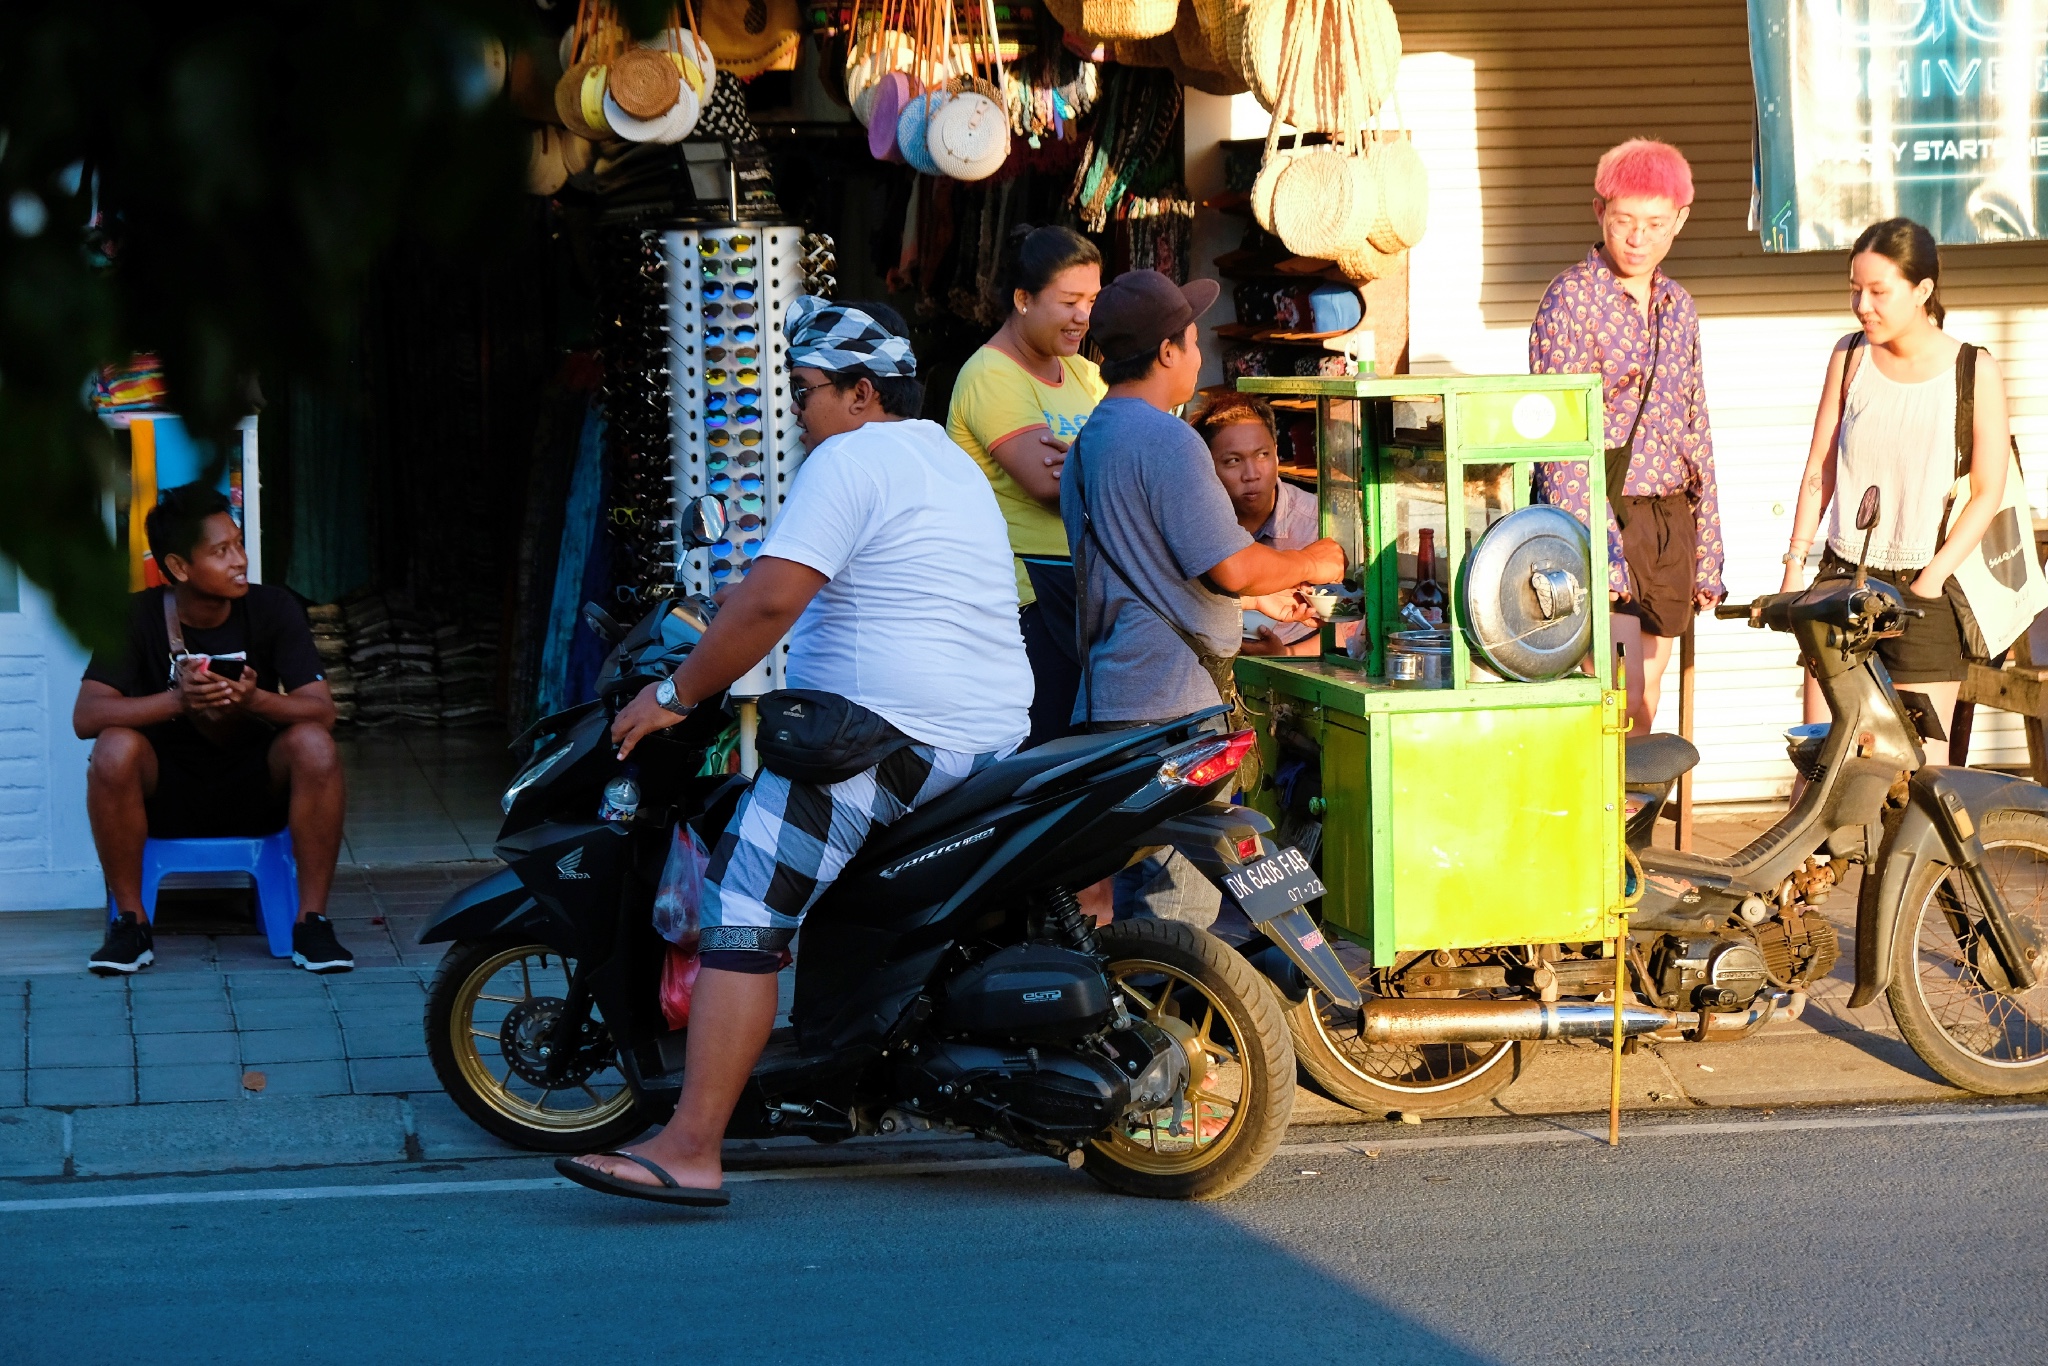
{"x": 1019, "y": 403}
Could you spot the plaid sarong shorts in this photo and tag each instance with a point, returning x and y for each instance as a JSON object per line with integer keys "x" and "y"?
{"x": 789, "y": 841}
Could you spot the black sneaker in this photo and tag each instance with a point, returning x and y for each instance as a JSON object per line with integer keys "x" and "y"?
{"x": 315, "y": 948}
{"x": 128, "y": 948}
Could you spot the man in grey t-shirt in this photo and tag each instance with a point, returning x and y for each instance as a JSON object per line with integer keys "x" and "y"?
{"x": 1150, "y": 490}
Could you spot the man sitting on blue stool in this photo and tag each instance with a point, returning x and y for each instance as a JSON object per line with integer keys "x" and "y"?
{"x": 213, "y": 721}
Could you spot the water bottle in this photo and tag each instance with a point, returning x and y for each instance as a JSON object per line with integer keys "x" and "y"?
{"x": 621, "y": 798}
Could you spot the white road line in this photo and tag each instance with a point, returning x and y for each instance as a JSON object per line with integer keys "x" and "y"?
{"x": 1348, "y": 1147}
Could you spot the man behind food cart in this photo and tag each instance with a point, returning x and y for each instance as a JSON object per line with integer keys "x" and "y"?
{"x": 1616, "y": 314}
{"x": 1160, "y": 559}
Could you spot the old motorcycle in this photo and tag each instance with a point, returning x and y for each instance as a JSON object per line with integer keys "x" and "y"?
{"x": 1951, "y": 916}
{"x": 948, "y": 978}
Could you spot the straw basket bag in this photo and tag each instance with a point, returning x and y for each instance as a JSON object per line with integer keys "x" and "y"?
{"x": 1128, "y": 18}
{"x": 1402, "y": 214}
{"x": 1366, "y": 262}
{"x": 969, "y": 136}
{"x": 1324, "y": 202}
{"x": 1354, "y": 56}
{"x": 1195, "y": 61}
{"x": 1223, "y": 24}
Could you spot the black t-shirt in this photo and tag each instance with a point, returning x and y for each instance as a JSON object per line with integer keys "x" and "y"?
{"x": 269, "y": 625}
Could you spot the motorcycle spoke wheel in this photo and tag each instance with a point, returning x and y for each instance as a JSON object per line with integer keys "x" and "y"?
{"x": 1379, "y": 1078}
{"x": 1982, "y": 1039}
{"x": 488, "y": 1028}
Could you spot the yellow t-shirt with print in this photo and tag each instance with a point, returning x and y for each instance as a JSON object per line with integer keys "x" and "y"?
{"x": 995, "y": 399}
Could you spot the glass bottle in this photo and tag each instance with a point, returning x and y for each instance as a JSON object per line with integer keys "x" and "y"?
{"x": 1428, "y": 595}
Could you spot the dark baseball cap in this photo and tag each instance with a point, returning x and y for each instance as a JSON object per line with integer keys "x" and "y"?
{"x": 1141, "y": 308}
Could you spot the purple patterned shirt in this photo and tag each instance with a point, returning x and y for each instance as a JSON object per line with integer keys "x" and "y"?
{"x": 1588, "y": 324}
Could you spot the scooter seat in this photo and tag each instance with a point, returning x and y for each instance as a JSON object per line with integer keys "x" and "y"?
{"x": 1655, "y": 760}
{"x": 1007, "y": 777}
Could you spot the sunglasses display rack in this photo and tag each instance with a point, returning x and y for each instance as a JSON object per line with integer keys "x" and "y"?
{"x": 732, "y": 427}
{"x": 640, "y": 506}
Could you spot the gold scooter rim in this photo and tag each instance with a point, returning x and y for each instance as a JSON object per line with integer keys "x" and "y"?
{"x": 495, "y": 1091}
{"x": 1118, "y": 1145}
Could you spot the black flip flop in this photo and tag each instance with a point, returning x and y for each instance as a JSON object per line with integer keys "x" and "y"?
{"x": 669, "y": 1192}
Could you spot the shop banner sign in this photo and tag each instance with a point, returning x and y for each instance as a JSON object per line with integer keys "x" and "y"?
{"x": 1871, "y": 109}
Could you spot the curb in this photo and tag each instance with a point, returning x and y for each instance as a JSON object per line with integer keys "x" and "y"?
{"x": 219, "y": 1137}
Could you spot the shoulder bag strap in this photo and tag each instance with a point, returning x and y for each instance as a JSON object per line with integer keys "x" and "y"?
{"x": 172, "y": 628}
{"x": 1619, "y": 458}
{"x": 1855, "y": 358}
{"x": 1966, "y": 428}
{"x": 1221, "y": 669}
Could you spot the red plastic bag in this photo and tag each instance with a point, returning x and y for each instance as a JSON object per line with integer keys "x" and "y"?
{"x": 678, "y": 981}
{"x": 678, "y": 904}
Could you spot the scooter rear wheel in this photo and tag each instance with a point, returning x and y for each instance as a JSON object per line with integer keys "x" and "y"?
{"x": 488, "y": 1012}
{"x": 1224, "y": 1129}
{"x": 1993, "y": 1043}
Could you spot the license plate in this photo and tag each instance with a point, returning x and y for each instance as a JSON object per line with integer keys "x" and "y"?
{"x": 1274, "y": 885}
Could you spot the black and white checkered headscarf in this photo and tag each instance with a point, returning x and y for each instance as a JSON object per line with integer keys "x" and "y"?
{"x": 840, "y": 339}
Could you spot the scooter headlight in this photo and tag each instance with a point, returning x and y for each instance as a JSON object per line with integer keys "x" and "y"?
{"x": 532, "y": 774}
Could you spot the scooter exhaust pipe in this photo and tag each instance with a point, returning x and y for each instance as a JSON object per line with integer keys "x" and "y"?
{"x": 1411, "y": 1021}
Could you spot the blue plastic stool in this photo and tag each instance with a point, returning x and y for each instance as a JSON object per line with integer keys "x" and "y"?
{"x": 266, "y": 860}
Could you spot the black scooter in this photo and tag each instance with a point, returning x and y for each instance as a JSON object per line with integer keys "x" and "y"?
{"x": 948, "y": 978}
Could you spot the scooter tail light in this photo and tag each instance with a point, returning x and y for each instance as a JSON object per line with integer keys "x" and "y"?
{"x": 1206, "y": 762}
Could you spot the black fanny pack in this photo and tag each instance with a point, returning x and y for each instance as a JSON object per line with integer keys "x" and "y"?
{"x": 819, "y": 737}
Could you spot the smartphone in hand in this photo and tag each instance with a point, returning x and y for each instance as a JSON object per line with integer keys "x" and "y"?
{"x": 230, "y": 669}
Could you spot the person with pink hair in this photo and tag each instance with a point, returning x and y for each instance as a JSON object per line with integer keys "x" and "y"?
{"x": 1616, "y": 314}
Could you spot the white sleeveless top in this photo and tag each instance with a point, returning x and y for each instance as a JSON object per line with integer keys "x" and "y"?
{"x": 1902, "y": 438}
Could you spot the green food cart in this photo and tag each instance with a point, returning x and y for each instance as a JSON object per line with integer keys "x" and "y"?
{"x": 1470, "y": 781}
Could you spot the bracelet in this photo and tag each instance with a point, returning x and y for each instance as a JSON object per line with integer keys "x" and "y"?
{"x": 1796, "y": 556}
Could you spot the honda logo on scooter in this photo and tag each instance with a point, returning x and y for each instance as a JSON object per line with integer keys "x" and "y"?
{"x": 570, "y": 866}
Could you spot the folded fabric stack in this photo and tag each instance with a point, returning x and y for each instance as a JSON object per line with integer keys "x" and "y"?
{"x": 391, "y": 663}
{"x": 467, "y": 659}
{"x": 330, "y": 638}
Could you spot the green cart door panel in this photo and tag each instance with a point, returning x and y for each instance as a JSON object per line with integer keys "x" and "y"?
{"x": 1347, "y": 833}
{"x": 1498, "y": 824}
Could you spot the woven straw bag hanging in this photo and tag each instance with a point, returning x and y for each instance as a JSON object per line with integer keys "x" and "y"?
{"x": 1112, "y": 19}
{"x": 1355, "y": 63}
{"x": 879, "y": 47}
{"x": 969, "y": 136}
{"x": 1223, "y": 23}
{"x": 579, "y": 95}
{"x": 1277, "y": 158}
{"x": 1402, "y": 215}
{"x": 1195, "y": 62}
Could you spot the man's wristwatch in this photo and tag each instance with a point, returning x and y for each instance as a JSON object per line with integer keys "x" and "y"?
{"x": 665, "y": 698}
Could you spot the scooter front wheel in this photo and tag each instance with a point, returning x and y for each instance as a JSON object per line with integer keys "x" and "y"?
{"x": 490, "y": 1017}
{"x": 1984, "y": 1040}
{"x": 1223, "y": 1129}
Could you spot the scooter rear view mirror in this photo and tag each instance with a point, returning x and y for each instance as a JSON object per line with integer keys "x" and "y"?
{"x": 703, "y": 522}
{"x": 1866, "y": 522}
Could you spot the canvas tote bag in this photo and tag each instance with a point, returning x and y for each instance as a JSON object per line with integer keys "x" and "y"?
{"x": 2003, "y": 586}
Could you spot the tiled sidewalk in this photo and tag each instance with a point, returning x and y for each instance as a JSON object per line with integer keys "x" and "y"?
{"x": 216, "y": 1009}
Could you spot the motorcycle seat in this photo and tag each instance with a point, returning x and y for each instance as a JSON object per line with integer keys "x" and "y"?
{"x": 1656, "y": 760}
{"x": 1006, "y": 778}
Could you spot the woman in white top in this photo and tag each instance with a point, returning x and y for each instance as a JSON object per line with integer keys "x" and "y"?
{"x": 1897, "y": 430}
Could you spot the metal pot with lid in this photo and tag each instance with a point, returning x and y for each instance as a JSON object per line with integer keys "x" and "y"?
{"x": 1528, "y": 608}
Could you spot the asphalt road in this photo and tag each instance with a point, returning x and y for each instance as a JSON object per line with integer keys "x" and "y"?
{"x": 1817, "y": 1236}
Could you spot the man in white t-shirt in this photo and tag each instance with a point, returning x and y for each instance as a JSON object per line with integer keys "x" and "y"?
{"x": 889, "y": 570}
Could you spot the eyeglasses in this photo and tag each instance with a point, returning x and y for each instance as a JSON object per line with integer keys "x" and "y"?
{"x": 799, "y": 395}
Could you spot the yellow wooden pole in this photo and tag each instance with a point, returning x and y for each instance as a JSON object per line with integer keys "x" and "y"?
{"x": 1620, "y": 986}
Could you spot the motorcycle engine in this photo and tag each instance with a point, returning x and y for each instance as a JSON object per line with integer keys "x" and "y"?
{"x": 1798, "y": 945}
{"x": 1044, "y": 1097}
{"x": 1708, "y": 974}
{"x": 1038, "y": 993}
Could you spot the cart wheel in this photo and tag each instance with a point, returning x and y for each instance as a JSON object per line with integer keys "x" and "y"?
{"x": 1381, "y": 1078}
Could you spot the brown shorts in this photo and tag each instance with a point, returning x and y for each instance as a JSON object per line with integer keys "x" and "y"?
{"x": 1661, "y": 545}
{"x": 1931, "y": 650}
